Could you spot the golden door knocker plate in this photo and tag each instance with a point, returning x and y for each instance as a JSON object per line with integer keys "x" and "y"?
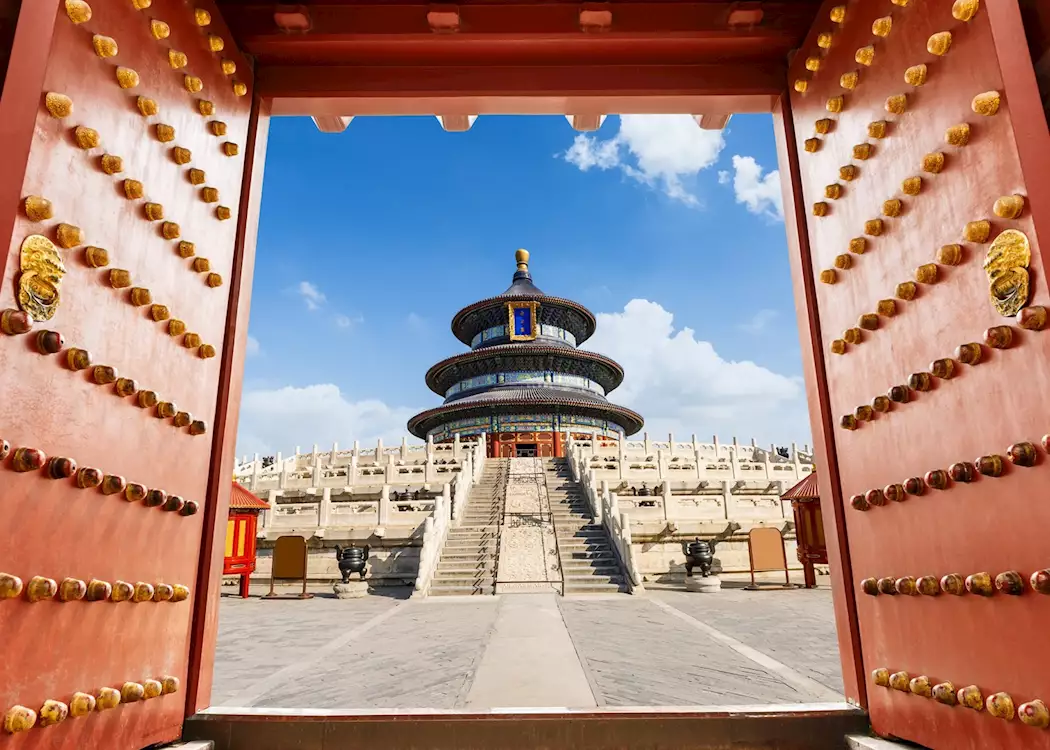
{"x": 41, "y": 277}
{"x": 1007, "y": 267}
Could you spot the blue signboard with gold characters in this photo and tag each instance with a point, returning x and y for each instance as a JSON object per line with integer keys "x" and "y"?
{"x": 521, "y": 320}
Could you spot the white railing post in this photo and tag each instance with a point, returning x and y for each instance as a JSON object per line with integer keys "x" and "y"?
{"x": 324, "y": 515}
{"x": 384, "y": 505}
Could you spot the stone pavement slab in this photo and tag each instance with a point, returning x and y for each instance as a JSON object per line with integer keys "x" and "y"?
{"x": 637, "y": 654}
{"x": 423, "y": 656}
{"x": 796, "y": 627}
{"x": 530, "y": 660}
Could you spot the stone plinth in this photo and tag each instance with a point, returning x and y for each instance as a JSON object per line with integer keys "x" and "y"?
{"x": 352, "y": 590}
{"x": 701, "y": 585}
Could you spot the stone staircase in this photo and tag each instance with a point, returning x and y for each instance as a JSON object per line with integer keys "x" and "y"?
{"x": 588, "y": 562}
{"x": 468, "y": 561}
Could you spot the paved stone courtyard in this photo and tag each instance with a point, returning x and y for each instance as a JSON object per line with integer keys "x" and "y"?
{"x": 664, "y": 648}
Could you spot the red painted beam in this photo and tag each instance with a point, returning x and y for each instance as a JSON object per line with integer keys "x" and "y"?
{"x": 491, "y": 89}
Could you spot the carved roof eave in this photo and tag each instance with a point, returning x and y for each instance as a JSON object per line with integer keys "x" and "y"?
{"x": 465, "y": 323}
{"x": 425, "y": 421}
{"x": 443, "y": 375}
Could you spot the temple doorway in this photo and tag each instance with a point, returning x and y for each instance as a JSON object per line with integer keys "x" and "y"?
{"x": 527, "y": 450}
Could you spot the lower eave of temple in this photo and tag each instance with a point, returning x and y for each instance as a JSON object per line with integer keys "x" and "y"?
{"x": 427, "y": 421}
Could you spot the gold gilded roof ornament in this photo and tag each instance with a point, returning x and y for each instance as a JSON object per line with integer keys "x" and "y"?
{"x": 38, "y": 208}
{"x": 824, "y": 40}
{"x": 215, "y": 43}
{"x": 127, "y": 78}
{"x": 229, "y": 67}
{"x": 965, "y": 10}
{"x": 111, "y": 164}
{"x": 58, "y": 105}
{"x": 915, "y": 75}
{"x": 835, "y": 104}
{"x": 813, "y": 64}
{"x": 1009, "y": 206}
{"x": 40, "y": 279}
{"x": 159, "y": 30}
{"x": 193, "y": 84}
{"x": 838, "y": 14}
{"x": 882, "y": 26}
{"x": 205, "y": 107}
{"x": 133, "y": 189}
{"x": 177, "y": 60}
{"x": 105, "y": 46}
{"x": 986, "y": 104}
{"x": 865, "y": 55}
{"x": 849, "y": 80}
{"x": 939, "y": 43}
{"x": 86, "y": 138}
{"x": 78, "y": 11}
{"x": 897, "y": 104}
{"x": 912, "y": 185}
{"x": 202, "y": 17}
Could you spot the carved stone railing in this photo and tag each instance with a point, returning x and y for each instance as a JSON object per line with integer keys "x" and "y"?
{"x": 447, "y": 513}
{"x": 605, "y": 510}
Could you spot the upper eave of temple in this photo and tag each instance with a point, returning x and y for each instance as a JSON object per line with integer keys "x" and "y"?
{"x": 525, "y": 356}
{"x": 555, "y": 311}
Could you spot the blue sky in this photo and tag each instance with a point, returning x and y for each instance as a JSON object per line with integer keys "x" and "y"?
{"x": 371, "y": 240}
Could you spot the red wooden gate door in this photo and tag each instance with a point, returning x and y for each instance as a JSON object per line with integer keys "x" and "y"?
{"x": 923, "y": 154}
{"x": 125, "y": 125}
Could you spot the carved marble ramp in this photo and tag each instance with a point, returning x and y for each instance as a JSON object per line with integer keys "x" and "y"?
{"x": 467, "y": 566}
{"x": 528, "y": 549}
{"x": 588, "y": 562}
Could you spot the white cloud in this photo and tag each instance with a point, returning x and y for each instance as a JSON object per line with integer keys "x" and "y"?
{"x": 723, "y": 177}
{"x": 253, "y": 346}
{"x": 761, "y": 194}
{"x": 680, "y": 384}
{"x": 278, "y": 419}
{"x": 657, "y": 150}
{"x": 312, "y": 296}
{"x": 759, "y": 321}
{"x": 345, "y": 321}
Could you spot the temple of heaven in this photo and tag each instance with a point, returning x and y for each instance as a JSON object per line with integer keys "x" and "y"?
{"x": 524, "y": 381}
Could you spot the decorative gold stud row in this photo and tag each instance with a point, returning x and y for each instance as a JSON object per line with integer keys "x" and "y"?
{"x": 938, "y": 45}
{"x": 1010, "y": 583}
{"x": 68, "y": 236}
{"x": 997, "y": 337}
{"x": 1006, "y": 266}
{"x": 1032, "y": 713}
{"x": 46, "y": 342}
{"x": 79, "y": 12}
{"x": 25, "y": 460}
{"x": 22, "y": 719}
{"x": 1022, "y": 454}
{"x": 41, "y": 588}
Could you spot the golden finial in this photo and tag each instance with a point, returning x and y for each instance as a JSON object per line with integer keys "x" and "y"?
{"x": 522, "y": 258}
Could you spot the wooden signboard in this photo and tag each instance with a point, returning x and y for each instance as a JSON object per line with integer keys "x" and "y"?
{"x": 289, "y": 563}
{"x": 765, "y": 547}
